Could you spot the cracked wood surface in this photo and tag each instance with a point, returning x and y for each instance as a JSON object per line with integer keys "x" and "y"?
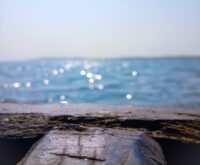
{"x": 24, "y": 121}
{"x": 94, "y": 146}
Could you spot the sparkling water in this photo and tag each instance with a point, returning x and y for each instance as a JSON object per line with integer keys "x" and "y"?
{"x": 161, "y": 81}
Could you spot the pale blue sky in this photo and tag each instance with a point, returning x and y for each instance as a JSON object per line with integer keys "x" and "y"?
{"x": 98, "y": 28}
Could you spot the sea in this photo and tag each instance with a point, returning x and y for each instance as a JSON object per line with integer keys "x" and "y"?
{"x": 135, "y": 81}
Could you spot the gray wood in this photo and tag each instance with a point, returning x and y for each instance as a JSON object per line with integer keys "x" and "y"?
{"x": 75, "y": 145}
{"x": 24, "y": 121}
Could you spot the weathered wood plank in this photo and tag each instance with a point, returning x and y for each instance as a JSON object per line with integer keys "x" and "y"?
{"x": 118, "y": 111}
{"x": 94, "y": 146}
{"x": 23, "y": 121}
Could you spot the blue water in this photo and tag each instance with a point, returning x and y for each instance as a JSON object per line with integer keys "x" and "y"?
{"x": 119, "y": 81}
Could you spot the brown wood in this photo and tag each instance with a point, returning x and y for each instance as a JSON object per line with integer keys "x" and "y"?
{"x": 24, "y": 121}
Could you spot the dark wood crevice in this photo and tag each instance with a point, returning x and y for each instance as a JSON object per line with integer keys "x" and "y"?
{"x": 179, "y": 153}
{"x": 13, "y": 150}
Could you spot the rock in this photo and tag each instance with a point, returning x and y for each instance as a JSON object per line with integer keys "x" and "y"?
{"x": 78, "y": 145}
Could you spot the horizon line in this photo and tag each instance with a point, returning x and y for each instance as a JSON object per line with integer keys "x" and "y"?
{"x": 104, "y": 58}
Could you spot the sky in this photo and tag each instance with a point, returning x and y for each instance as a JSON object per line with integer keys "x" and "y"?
{"x": 98, "y": 28}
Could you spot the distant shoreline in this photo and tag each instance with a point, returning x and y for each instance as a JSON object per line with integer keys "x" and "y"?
{"x": 103, "y": 59}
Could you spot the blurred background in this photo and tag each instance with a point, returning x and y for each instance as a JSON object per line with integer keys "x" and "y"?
{"x": 104, "y": 52}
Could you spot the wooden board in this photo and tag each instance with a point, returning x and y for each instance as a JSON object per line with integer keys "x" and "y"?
{"x": 25, "y": 121}
{"x": 76, "y": 145}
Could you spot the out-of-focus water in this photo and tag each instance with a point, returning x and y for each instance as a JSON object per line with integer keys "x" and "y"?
{"x": 121, "y": 81}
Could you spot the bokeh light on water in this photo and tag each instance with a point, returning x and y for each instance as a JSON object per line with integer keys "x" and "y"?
{"x": 119, "y": 81}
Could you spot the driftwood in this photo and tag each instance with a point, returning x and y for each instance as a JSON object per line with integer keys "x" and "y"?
{"x": 75, "y": 145}
{"x": 25, "y": 121}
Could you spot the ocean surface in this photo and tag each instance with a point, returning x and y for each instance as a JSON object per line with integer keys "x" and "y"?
{"x": 160, "y": 81}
